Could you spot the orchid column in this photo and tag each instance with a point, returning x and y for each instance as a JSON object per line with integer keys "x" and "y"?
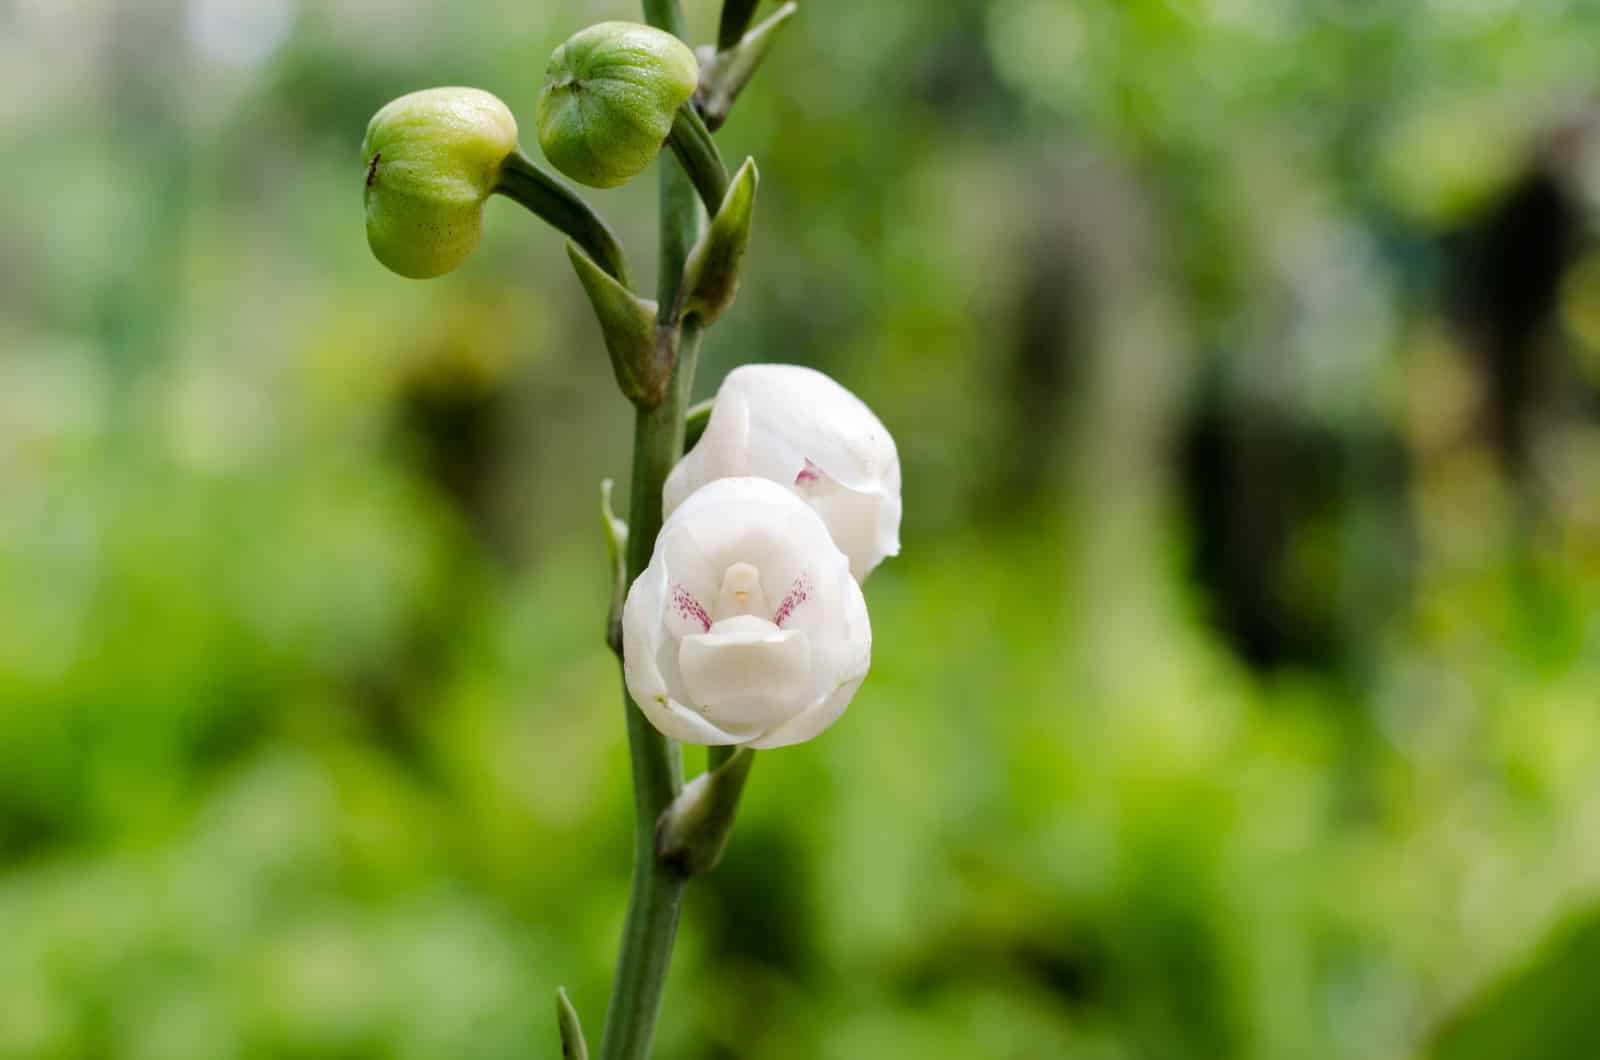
{"x": 740, "y": 622}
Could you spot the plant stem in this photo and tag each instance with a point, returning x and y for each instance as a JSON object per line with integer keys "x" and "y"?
{"x": 695, "y": 150}
{"x": 551, "y": 200}
{"x": 657, "y": 891}
{"x": 667, "y": 15}
{"x": 680, "y": 230}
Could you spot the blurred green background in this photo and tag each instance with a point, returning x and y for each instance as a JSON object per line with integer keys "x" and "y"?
{"x": 1237, "y": 693}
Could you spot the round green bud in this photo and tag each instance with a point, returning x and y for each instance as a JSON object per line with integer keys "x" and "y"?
{"x": 610, "y": 95}
{"x": 432, "y": 158}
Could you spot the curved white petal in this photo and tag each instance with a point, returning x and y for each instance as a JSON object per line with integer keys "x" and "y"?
{"x": 642, "y": 615}
{"x": 810, "y": 722}
{"x": 865, "y": 522}
{"x": 800, "y": 429}
{"x": 683, "y": 724}
{"x": 851, "y": 669}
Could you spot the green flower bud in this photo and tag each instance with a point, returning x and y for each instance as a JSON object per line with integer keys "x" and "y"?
{"x": 432, "y": 159}
{"x": 610, "y": 95}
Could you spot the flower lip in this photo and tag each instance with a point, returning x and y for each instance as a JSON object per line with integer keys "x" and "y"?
{"x": 747, "y": 671}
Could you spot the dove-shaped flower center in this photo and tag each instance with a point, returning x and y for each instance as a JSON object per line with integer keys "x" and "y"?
{"x": 747, "y": 626}
{"x": 745, "y": 668}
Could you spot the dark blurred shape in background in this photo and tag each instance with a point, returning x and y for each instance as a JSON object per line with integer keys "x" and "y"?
{"x": 1237, "y": 693}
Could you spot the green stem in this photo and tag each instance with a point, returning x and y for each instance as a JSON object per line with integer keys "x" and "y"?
{"x": 680, "y": 230}
{"x": 552, "y": 201}
{"x": 667, "y": 15}
{"x": 697, "y": 153}
{"x": 657, "y": 891}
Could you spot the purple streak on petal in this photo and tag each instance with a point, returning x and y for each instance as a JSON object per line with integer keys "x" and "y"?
{"x": 808, "y": 474}
{"x": 797, "y": 595}
{"x": 689, "y": 607}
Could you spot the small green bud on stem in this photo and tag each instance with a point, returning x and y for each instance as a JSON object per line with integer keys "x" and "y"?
{"x": 431, "y": 159}
{"x": 692, "y": 832}
{"x": 610, "y": 96}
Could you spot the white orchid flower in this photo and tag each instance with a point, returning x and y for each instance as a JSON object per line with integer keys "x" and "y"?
{"x": 747, "y": 626}
{"x": 805, "y": 432}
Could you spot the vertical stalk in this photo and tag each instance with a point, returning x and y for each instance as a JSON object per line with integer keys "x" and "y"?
{"x": 667, "y": 15}
{"x": 657, "y": 890}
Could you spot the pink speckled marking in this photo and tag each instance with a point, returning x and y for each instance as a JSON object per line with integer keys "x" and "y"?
{"x": 808, "y": 474}
{"x": 797, "y": 595}
{"x": 689, "y": 607}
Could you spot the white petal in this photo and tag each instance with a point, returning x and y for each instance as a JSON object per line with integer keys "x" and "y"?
{"x": 720, "y": 453}
{"x": 810, "y": 722}
{"x": 802, "y": 430}
{"x": 847, "y": 670}
{"x": 642, "y": 633}
{"x": 865, "y": 522}
{"x": 742, "y": 520}
{"x": 683, "y": 724}
{"x": 747, "y": 672}
{"x": 646, "y": 644}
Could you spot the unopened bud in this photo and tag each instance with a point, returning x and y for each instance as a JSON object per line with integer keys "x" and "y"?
{"x": 610, "y": 95}
{"x": 432, "y": 158}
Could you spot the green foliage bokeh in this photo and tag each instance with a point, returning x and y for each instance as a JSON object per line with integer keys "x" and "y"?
{"x": 310, "y": 745}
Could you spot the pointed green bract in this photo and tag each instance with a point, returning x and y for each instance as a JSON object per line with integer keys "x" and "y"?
{"x": 628, "y": 324}
{"x": 695, "y": 422}
{"x": 573, "y": 1047}
{"x": 693, "y": 832}
{"x": 610, "y": 95}
{"x": 431, "y": 159}
{"x": 728, "y": 69}
{"x": 617, "y": 552}
{"x": 711, "y": 277}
